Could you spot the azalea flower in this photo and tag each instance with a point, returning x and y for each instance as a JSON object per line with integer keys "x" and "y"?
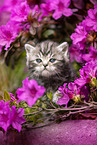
{"x": 87, "y": 73}
{"x": 92, "y": 55}
{"x": 17, "y": 118}
{"x": 8, "y": 33}
{"x": 4, "y": 16}
{"x": 80, "y": 34}
{"x": 90, "y": 68}
{"x": 20, "y": 13}
{"x": 10, "y": 4}
{"x": 30, "y": 91}
{"x": 75, "y": 53}
{"x": 45, "y": 9}
{"x": 91, "y": 19}
{"x": 76, "y": 91}
{"x": 12, "y": 97}
{"x": 72, "y": 91}
{"x": 61, "y": 8}
{"x": 64, "y": 97}
{"x": 5, "y": 115}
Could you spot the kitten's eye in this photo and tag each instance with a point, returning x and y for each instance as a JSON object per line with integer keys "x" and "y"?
{"x": 38, "y": 60}
{"x": 52, "y": 60}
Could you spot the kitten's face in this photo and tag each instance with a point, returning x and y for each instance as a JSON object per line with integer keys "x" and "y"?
{"x": 45, "y": 59}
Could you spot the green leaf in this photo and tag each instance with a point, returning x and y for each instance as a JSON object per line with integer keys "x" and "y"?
{"x": 1, "y": 97}
{"x": 7, "y": 96}
{"x": 48, "y": 33}
{"x": 28, "y": 110}
{"x": 50, "y": 95}
{"x": 94, "y": 82}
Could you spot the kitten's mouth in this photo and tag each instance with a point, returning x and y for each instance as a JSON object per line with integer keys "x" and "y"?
{"x": 45, "y": 72}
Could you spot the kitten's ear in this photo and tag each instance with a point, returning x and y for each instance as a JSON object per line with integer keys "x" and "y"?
{"x": 29, "y": 48}
{"x": 64, "y": 48}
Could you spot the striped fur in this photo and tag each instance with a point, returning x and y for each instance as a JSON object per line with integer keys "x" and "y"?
{"x": 49, "y": 63}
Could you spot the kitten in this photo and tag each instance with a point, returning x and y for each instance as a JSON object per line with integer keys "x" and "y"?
{"x": 49, "y": 64}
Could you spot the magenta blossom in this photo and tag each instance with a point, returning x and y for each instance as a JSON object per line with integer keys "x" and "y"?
{"x": 21, "y": 12}
{"x": 64, "y": 99}
{"x": 91, "y": 19}
{"x": 80, "y": 34}
{"x": 72, "y": 92}
{"x": 75, "y": 53}
{"x": 84, "y": 79}
{"x": 10, "y": 4}
{"x": 76, "y": 91}
{"x": 90, "y": 68}
{"x": 5, "y": 115}
{"x": 92, "y": 55}
{"x": 61, "y": 8}
{"x": 87, "y": 73}
{"x": 45, "y": 9}
{"x": 17, "y": 118}
{"x": 8, "y": 33}
{"x": 4, "y": 16}
{"x": 30, "y": 91}
{"x": 12, "y": 97}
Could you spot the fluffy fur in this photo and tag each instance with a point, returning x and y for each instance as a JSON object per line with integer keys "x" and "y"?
{"x": 49, "y": 64}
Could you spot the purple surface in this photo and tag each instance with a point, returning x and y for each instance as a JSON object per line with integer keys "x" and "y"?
{"x": 71, "y": 132}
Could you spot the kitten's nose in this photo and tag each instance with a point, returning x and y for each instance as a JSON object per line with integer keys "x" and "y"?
{"x": 45, "y": 65}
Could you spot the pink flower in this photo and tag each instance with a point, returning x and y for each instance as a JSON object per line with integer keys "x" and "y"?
{"x": 61, "y": 8}
{"x": 10, "y": 116}
{"x": 17, "y": 118}
{"x": 5, "y": 115}
{"x": 30, "y": 91}
{"x": 73, "y": 91}
{"x": 88, "y": 72}
{"x": 10, "y": 4}
{"x": 82, "y": 81}
{"x": 90, "y": 68}
{"x": 8, "y": 34}
{"x": 45, "y": 9}
{"x": 12, "y": 97}
{"x": 4, "y": 16}
{"x": 20, "y": 13}
{"x": 92, "y": 55}
{"x": 64, "y": 99}
{"x": 91, "y": 19}
{"x": 80, "y": 34}
{"x": 75, "y": 54}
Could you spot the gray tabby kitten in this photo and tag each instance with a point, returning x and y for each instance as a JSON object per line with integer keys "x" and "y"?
{"x": 49, "y": 64}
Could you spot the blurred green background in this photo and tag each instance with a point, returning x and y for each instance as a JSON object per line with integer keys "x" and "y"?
{"x": 12, "y": 74}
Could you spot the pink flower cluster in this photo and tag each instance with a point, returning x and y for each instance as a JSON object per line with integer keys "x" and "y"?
{"x": 82, "y": 38}
{"x": 72, "y": 91}
{"x": 10, "y": 116}
{"x": 18, "y": 12}
{"x": 88, "y": 75}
